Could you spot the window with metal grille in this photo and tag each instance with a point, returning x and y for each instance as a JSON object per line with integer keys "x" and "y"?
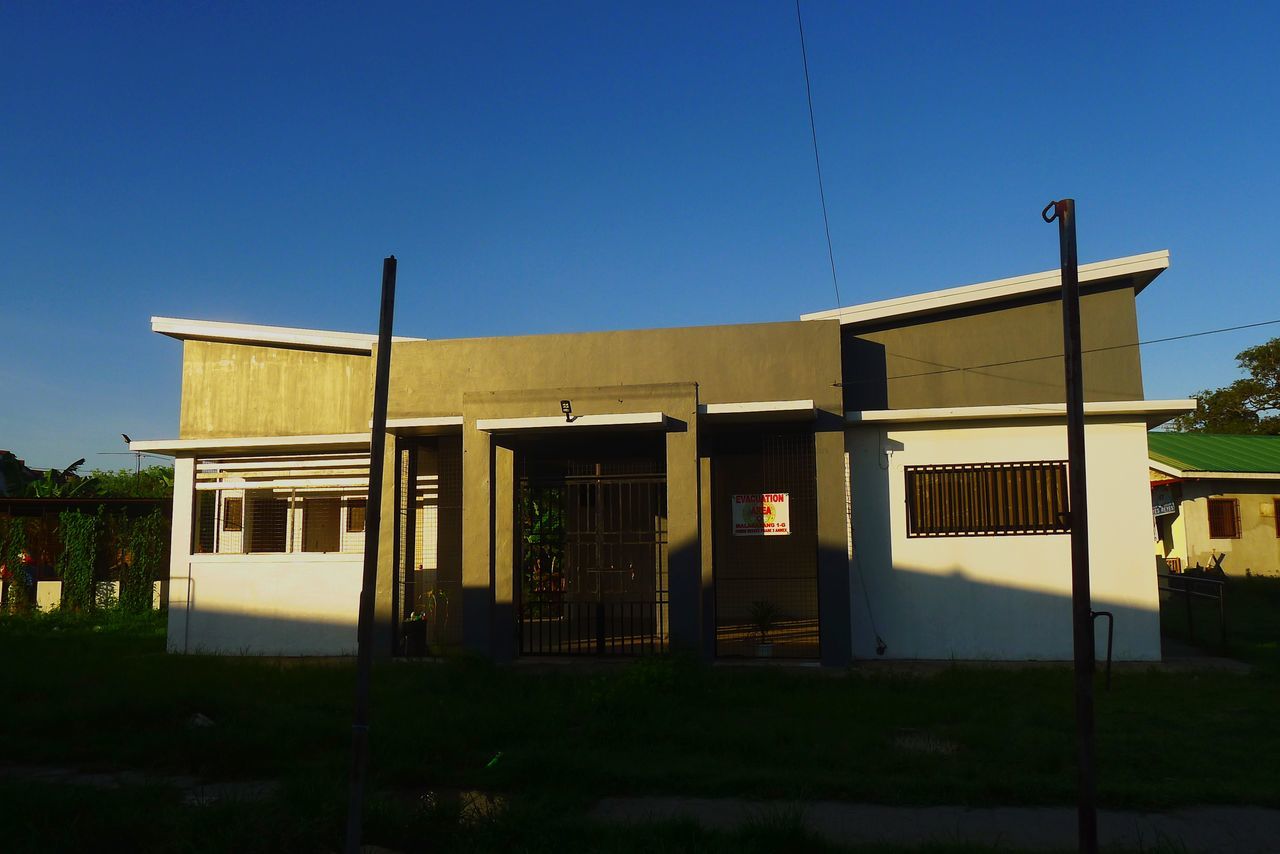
{"x": 355, "y": 515}
{"x": 1275, "y": 514}
{"x": 281, "y": 504}
{"x": 1224, "y": 518}
{"x": 987, "y": 499}
{"x": 233, "y": 514}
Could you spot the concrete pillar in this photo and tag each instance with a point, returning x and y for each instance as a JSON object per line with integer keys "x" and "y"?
{"x": 833, "y": 560}
{"x": 504, "y": 553}
{"x": 384, "y": 621}
{"x": 705, "y": 515}
{"x": 477, "y": 564}
{"x": 684, "y": 543}
{"x": 181, "y": 593}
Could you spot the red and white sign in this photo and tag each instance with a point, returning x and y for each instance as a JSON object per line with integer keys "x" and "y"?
{"x": 762, "y": 515}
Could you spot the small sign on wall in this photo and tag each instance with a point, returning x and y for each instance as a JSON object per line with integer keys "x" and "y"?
{"x": 1163, "y": 501}
{"x": 765, "y": 514}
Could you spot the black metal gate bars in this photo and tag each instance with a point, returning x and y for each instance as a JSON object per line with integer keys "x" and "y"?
{"x": 593, "y": 557}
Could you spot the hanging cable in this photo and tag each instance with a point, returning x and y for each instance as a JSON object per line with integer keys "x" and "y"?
{"x": 817, "y": 161}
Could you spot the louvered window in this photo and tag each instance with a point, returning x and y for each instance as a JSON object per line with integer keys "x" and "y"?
{"x": 987, "y": 499}
{"x": 281, "y": 504}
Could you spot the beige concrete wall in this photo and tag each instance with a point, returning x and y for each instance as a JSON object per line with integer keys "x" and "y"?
{"x": 765, "y": 361}
{"x": 920, "y": 356}
{"x": 1256, "y": 550}
{"x": 1006, "y": 597}
{"x": 243, "y": 390}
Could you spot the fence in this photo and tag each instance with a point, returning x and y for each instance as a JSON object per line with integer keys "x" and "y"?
{"x": 33, "y": 546}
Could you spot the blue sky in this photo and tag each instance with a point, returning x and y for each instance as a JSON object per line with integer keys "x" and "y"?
{"x": 542, "y": 167}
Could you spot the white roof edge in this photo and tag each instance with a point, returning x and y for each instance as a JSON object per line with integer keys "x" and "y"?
{"x": 997, "y": 289}
{"x": 549, "y": 422}
{"x": 1164, "y": 468}
{"x": 1228, "y": 475}
{"x": 425, "y": 421}
{"x": 751, "y": 407}
{"x": 324, "y": 441}
{"x": 247, "y": 333}
{"x": 1153, "y": 412}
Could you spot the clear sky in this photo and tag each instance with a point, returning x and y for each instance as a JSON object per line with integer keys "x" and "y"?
{"x": 554, "y": 166}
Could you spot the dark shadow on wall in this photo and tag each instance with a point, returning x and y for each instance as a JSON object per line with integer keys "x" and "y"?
{"x": 865, "y": 371}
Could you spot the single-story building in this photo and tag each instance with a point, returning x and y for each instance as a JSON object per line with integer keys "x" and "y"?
{"x": 887, "y": 478}
{"x": 1216, "y": 501}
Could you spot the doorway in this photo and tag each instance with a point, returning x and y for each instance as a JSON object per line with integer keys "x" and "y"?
{"x": 592, "y": 551}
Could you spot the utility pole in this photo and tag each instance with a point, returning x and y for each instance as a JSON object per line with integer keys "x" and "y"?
{"x": 1064, "y": 211}
{"x": 373, "y": 519}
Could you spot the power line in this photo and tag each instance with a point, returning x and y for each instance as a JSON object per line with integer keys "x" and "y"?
{"x": 817, "y": 161}
{"x": 1059, "y": 355}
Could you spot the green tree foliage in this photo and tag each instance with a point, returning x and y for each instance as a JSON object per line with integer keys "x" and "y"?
{"x": 1248, "y": 405}
{"x": 13, "y": 543}
{"x": 148, "y": 541}
{"x": 79, "y": 534}
{"x": 151, "y": 482}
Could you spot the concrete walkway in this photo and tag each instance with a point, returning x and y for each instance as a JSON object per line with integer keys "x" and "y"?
{"x": 1203, "y": 830}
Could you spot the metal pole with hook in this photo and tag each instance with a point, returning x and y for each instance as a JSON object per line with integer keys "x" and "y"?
{"x": 1064, "y": 212}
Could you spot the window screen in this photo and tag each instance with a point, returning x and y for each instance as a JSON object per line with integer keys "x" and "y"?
{"x": 987, "y": 499}
{"x": 1224, "y": 518}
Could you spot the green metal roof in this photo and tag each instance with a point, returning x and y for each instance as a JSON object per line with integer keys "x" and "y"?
{"x": 1191, "y": 452}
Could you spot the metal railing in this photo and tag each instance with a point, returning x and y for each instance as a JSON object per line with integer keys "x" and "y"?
{"x": 554, "y": 626}
{"x": 1192, "y": 587}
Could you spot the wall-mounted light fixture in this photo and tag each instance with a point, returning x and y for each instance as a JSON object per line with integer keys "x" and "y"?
{"x": 567, "y": 408}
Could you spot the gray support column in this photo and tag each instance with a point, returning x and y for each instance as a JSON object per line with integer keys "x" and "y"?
{"x": 384, "y": 622}
{"x": 504, "y": 545}
{"x": 684, "y": 549}
{"x": 477, "y": 532}
{"x": 705, "y": 515}
{"x": 833, "y": 559}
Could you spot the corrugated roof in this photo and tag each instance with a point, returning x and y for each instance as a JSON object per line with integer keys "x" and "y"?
{"x": 1215, "y": 452}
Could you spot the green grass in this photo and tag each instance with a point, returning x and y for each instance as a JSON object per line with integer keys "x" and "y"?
{"x": 104, "y": 695}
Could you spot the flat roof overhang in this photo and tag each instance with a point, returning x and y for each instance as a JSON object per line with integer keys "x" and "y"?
{"x": 1152, "y": 412}
{"x": 436, "y": 425}
{"x": 1136, "y": 271}
{"x": 320, "y": 340}
{"x": 559, "y": 424}
{"x": 758, "y": 411}
{"x": 245, "y": 444}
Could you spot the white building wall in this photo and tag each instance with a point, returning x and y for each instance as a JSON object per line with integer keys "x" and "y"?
{"x": 998, "y": 597}
{"x": 296, "y": 604}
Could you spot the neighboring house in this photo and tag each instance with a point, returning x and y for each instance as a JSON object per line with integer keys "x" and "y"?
{"x": 15, "y": 475}
{"x": 1216, "y": 498}
{"x": 893, "y": 471}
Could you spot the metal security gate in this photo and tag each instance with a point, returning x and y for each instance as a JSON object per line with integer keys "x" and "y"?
{"x": 593, "y": 557}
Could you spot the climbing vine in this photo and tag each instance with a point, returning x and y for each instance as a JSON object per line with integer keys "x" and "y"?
{"x": 13, "y": 546}
{"x": 79, "y": 534}
{"x": 146, "y": 546}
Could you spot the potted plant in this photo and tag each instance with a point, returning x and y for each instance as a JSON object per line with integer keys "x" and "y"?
{"x": 415, "y": 633}
{"x": 764, "y": 616}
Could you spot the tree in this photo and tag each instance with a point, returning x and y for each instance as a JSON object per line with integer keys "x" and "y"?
{"x": 1248, "y": 405}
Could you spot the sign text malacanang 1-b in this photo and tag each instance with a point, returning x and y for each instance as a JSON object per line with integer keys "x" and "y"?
{"x": 766, "y": 514}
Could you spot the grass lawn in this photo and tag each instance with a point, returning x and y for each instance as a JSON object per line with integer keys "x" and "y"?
{"x": 551, "y": 742}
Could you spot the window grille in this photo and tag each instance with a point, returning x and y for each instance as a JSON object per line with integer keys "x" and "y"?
{"x": 1224, "y": 519}
{"x": 233, "y": 514}
{"x": 355, "y": 515}
{"x": 281, "y": 504}
{"x": 987, "y": 499}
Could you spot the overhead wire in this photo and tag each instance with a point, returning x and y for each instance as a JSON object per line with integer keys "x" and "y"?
{"x": 817, "y": 161}
{"x": 1059, "y": 355}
